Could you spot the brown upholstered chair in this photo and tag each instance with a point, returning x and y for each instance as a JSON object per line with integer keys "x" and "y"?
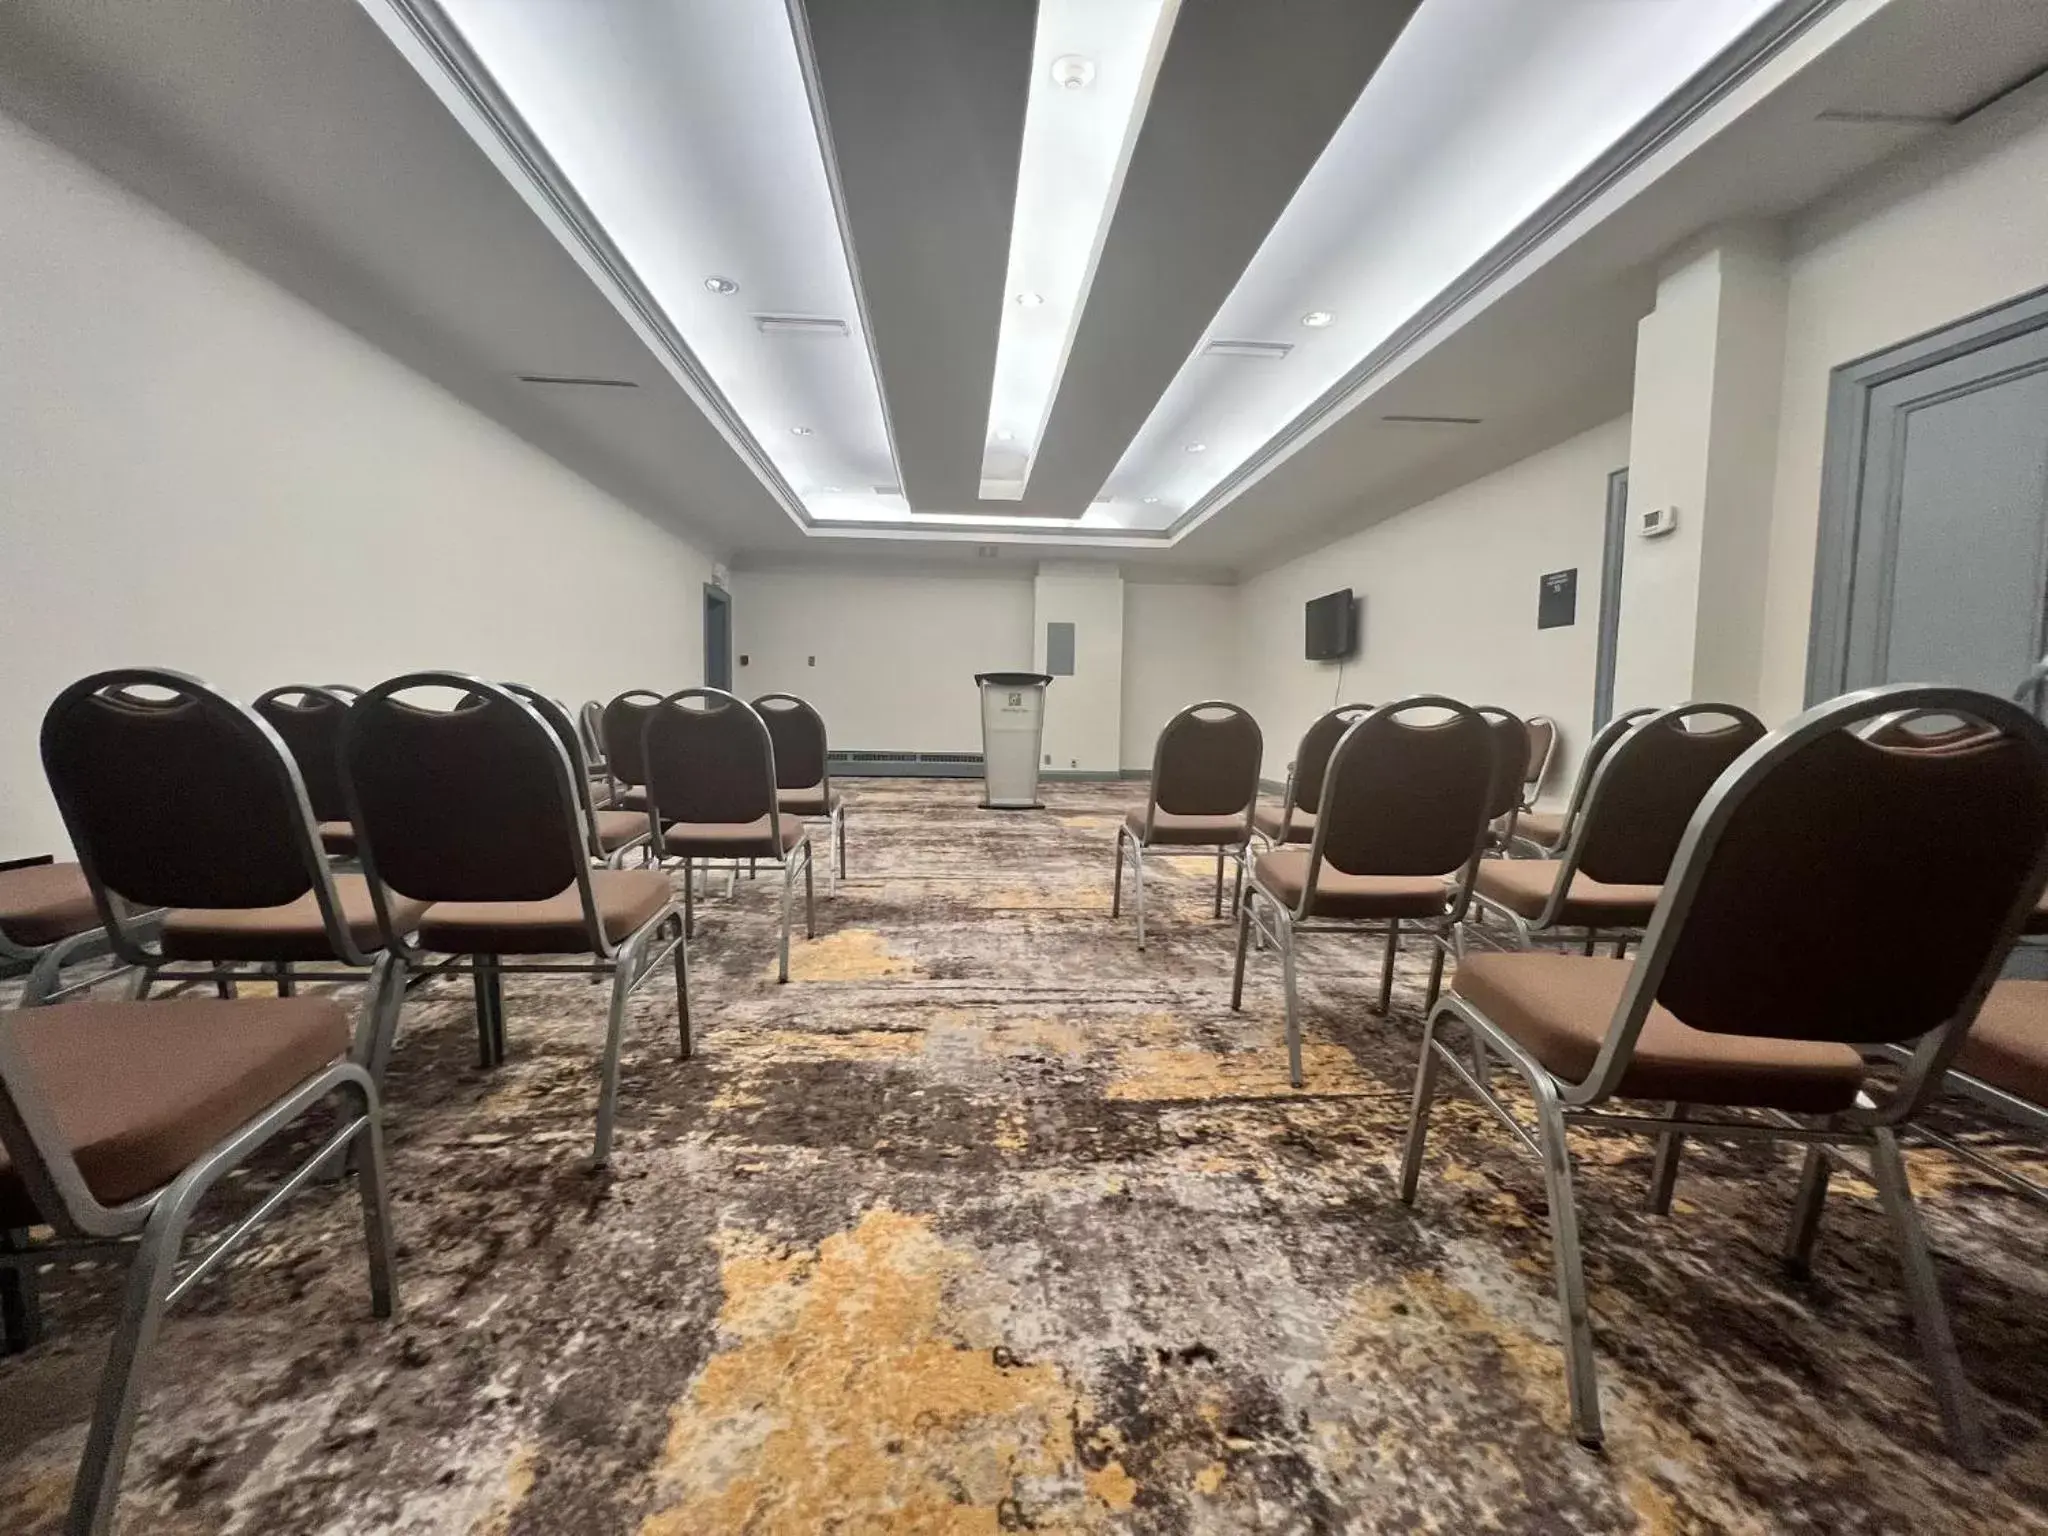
{"x": 1401, "y": 827}
{"x": 803, "y": 774}
{"x": 1541, "y": 834}
{"x": 48, "y": 921}
{"x": 309, "y": 718}
{"x": 1763, "y": 981}
{"x": 613, "y": 833}
{"x": 625, "y": 723}
{"x": 182, "y": 799}
{"x": 511, "y": 876}
{"x": 1510, "y": 759}
{"x": 1205, "y": 790}
{"x": 118, "y": 1118}
{"x": 713, "y": 797}
{"x": 1295, "y": 820}
{"x": 590, "y": 732}
{"x": 1644, "y": 790}
{"x": 1542, "y": 753}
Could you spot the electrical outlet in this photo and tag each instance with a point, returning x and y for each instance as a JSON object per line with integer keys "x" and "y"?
{"x": 810, "y": 661}
{"x": 1048, "y": 759}
{"x": 1073, "y": 762}
{"x": 744, "y": 660}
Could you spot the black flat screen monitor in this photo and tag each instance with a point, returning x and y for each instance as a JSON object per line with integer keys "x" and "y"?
{"x": 1332, "y": 627}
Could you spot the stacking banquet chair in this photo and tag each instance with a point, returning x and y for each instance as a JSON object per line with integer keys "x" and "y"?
{"x": 309, "y": 719}
{"x": 590, "y": 731}
{"x": 1401, "y": 828}
{"x": 48, "y": 921}
{"x": 1643, "y": 793}
{"x": 624, "y": 723}
{"x": 118, "y": 1118}
{"x": 613, "y": 833}
{"x": 1764, "y": 981}
{"x": 1295, "y": 821}
{"x": 511, "y": 875}
{"x": 1205, "y": 792}
{"x": 1511, "y": 756}
{"x": 711, "y": 782}
{"x": 183, "y": 799}
{"x": 1542, "y": 753}
{"x": 1540, "y": 834}
{"x": 803, "y": 776}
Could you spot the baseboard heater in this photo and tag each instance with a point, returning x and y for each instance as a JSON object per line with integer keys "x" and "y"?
{"x": 905, "y": 765}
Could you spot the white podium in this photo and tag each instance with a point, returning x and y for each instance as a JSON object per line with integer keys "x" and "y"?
{"x": 1012, "y": 723}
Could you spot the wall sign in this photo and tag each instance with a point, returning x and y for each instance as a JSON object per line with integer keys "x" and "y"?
{"x": 1557, "y": 599}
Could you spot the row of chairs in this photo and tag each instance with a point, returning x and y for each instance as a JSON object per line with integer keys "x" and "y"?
{"x": 1762, "y": 876}
{"x": 462, "y": 834}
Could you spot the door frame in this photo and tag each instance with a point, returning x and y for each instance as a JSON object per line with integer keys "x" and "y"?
{"x": 1850, "y": 430}
{"x": 1607, "y": 639}
{"x": 717, "y": 614}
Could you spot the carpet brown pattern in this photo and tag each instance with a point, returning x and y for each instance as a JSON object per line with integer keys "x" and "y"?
{"x": 988, "y": 1222}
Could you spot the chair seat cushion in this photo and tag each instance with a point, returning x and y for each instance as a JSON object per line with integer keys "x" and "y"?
{"x": 2008, "y": 1045}
{"x": 627, "y": 900}
{"x": 338, "y": 838}
{"x": 806, "y": 802}
{"x": 138, "y": 1091}
{"x": 615, "y": 829}
{"x": 628, "y": 799}
{"x": 1176, "y": 830}
{"x": 1524, "y": 885}
{"x": 730, "y": 839}
{"x": 1544, "y": 827}
{"x": 44, "y": 903}
{"x": 1285, "y": 871}
{"x": 1559, "y": 1006}
{"x": 293, "y": 931}
{"x": 1300, "y": 827}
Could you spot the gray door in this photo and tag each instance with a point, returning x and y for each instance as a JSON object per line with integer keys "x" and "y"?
{"x": 1934, "y": 553}
{"x": 1609, "y": 639}
{"x": 717, "y": 638}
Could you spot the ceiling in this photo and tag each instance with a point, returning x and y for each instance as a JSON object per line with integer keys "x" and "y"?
{"x": 602, "y": 190}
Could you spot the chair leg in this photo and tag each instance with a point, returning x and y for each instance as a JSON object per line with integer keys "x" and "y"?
{"x": 623, "y": 966}
{"x": 1116, "y": 889}
{"x": 1237, "y": 886}
{"x": 788, "y": 895}
{"x": 810, "y": 894}
{"x": 1219, "y": 884}
{"x": 1244, "y": 925}
{"x": 490, "y": 1012}
{"x": 1138, "y": 886}
{"x": 1293, "y": 1002}
{"x": 145, "y": 978}
{"x": 1436, "y": 975}
{"x": 98, "y": 1487}
{"x": 21, "y": 1313}
{"x": 682, "y": 961}
{"x": 1804, "y": 1227}
{"x": 839, "y": 839}
{"x": 1582, "y": 1382}
{"x": 373, "y": 1189}
{"x": 689, "y": 900}
{"x": 1393, "y": 949}
{"x": 1960, "y": 1417}
{"x": 224, "y": 983}
{"x": 1418, "y": 1112}
{"x": 286, "y": 986}
{"x": 1664, "y": 1172}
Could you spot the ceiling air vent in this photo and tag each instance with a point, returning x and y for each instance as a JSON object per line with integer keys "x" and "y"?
{"x": 1270, "y": 351}
{"x": 800, "y": 325}
{"x": 987, "y": 551}
{"x": 576, "y": 381}
{"x": 1434, "y": 421}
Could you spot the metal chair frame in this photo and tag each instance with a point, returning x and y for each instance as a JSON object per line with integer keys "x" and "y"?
{"x": 1131, "y": 848}
{"x": 1267, "y": 917}
{"x": 834, "y": 819}
{"x": 1290, "y": 786}
{"x": 1532, "y": 783}
{"x": 1870, "y": 1125}
{"x": 627, "y": 963}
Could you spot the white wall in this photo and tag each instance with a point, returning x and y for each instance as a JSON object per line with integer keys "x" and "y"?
{"x": 1449, "y": 603}
{"x": 896, "y": 652}
{"x": 1180, "y": 647}
{"x": 199, "y": 471}
{"x": 1954, "y": 229}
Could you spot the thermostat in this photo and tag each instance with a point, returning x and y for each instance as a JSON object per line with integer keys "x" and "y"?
{"x": 1657, "y": 521}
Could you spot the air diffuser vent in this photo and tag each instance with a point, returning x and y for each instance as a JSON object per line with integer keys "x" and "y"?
{"x": 576, "y": 381}
{"x": 1434, "y": 421}
{"x": 800, "y": 325}
{"x": 1270, "y": 351}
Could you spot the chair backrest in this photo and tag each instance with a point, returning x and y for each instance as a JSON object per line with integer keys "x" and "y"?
{"x": 1830, "y": 888}
{"x": 557, "y": 717}
{"x": 1542, "y": 749}
{"x": 710, "y": 759}
{"x": 1206, "y": 762}
{"x": 1648, "y": 786}
{"x": 1407, "y": 795}
{"x": 1312, "y": 757}
{"x": 308, "y": 717}
{"x": 180, "y": 797}
{"x": 1925, "y": 733}
{"x": 590, "y": 729}
{"x": 475, "y": 802}
{"x": 625, "y": 725}
{"x": 1511, "y": 759}
{"x": 798, "y": 732}
{"x": 1596, "y": 753}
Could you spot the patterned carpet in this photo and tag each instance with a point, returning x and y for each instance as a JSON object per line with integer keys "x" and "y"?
{"x": 988, "y": 1222}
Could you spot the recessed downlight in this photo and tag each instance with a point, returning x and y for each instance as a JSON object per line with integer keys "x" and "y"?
{"x": 1073, "y": 72}
{"x": 1197, "y": 448}
{"x": 1151, "y": 501}
{"x": 829, "y": 490}
{"x": 1316, "y": 319}
{"x": 1030, "y": 300}
{"x": 800, "y": 431}
{"x": 721, "y": 285}
{"x": 1006, "y": 436}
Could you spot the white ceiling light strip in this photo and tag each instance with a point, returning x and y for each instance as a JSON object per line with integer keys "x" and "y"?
{"x": 1093, "y": 63}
